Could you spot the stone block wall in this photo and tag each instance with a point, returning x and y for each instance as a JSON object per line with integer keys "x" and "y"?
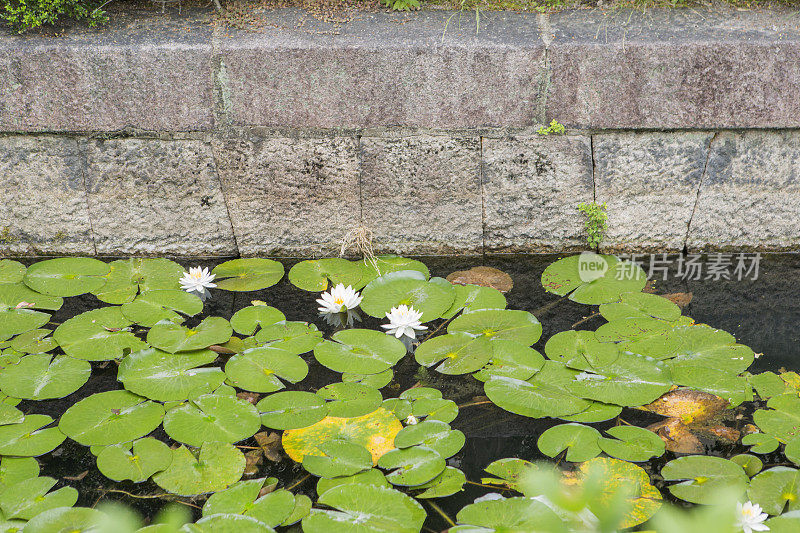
{"x": 174, "y": 138}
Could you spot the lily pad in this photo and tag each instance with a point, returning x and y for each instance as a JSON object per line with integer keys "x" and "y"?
{"x": 455, "y": 353}
{"x": 11, "y": 271}
{"x": 212, "y": 418}
{"x": 449, "y": 482}
{"x": 319, "y": 274}
{"x": 302, "y": 508}
{"x": 363, "y": 507}
{"x": 259, "y": 369}
{"x": 245, "y": 321}
{"x": 174, "y": 338}
{"x": 297, "y": 337}
{"x": 291, "y": 410}
{"x": 782, "y": 420}
{"x": 506, "y": 514}
{"x": 408, "y": 287}
{"x": 511, "y": 359}
{"x": 217, "y": 466}
{"x": 509, "y": 471}
{"x": 730, "y": 387}
{"x": 761, "y": 443}
{"x": 229, "y": 523}
{"x": 593, "y": 279}
{"x": 16, "y": 321}
{"x": 483, "y": 276}
{"x": 375, "y": 431}
{"x": 30, "y": 497}
{"x": 67, "y": 276}
{"x": 374, "y": 381}
{"x": 499, "y": 324}
{"x": 43, "y": 377}
{"x": 136, "y": 462}
{"x": 31, "y": 437}
{"x": 751, "y": 464}
{"x": 360, "y": 351}
{"x": 16, "y": 469}
{"x": 581, "y": 350}
{"x": 578, "y": 440}
{"x": 98, "y": 335}
{"x": 535, "y": 398}
{"x": 631, "y": 443}
{"x": 71, "y": 519}
{"x": 250, "y": 274}
{"x": 433, "y": 434}
{"x": 596, "y": 412}
{"x": 350, "y": 399}
{"x": 128, "y": 277}
{"x": 434, "y": 409}
{"x": 34, "y": 341}
{"x": 381, "y": 265}
{"x": 773, "y": 489}
{"x": 688, "y": 405}
{"x": 166, "y": 377}
{"x": 373, "y": 476}
{"x": 412, "y": 466}
{"x": 340, "y": 457}
{"x": 110, "y": 418}
{"x": 243, "y": 498}
{"x": 153, "y": 306}
{"x": 640, "y": 305}
{"x": 473, "y": 297}
{"x": 702, "y": 477}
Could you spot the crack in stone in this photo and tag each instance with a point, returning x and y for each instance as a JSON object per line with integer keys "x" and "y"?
{"x": 699, "y": 188}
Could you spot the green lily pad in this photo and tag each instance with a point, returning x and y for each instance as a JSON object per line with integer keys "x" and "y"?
{"x": 319, "y": 274}
{"x": 786, "y": 523}
{"x": 167, "y": 377}
{"x": 499, "y": 324}
{"x": 13, "y": 294}
{"x": 98, "y": 335}
{"x": 767, "y": 384}
{"x": 506, "y": 514}
{"x": 217, "y": 466}
{"x": 212, "y": 417}
{"x": 593, "y": 279}
{"x": 580, "y": 442}
{"x": 135, "y": 461}
{"x": 363, "y": 507}
{"x": 433, "y": 434}
{"x": 291, "y": 410}
{"x": 631, "y": 443}
{"x": 730, "y": 387}
{"x": 227, "y": 523}
{"x": 761, "y": 443}
{"x": 29, "y": 497}
{"x": 128, "y": 277}
{"x": 411, "y": 466}
{"x": 640, "y": 305}
{"x": 361, "y": 351}
{"x": 374, "y": 381}
{"x": 16, "y": 321}
{"x": 773, "y": 489}
{"x": 782, "y": 420}
{"x": 67, "y": 276}
{"x": 349, "y": 400}
{"x": 434, "y": 409}
{"x": 302, "y": 508}
{"x": 536, "y": 398}
{"x": 473, "y": 297}
{"x": 250, "y": 274}
{"x": 638, "y": 329}
{"x": 511, "y": 359}
{"x": 340, "y": 457}
{"x": 581, "y": 350}
{"x": 259, "y": 369}
{"x": 455, "y": 353}
{"x": 751, "y": 464}
{"x": 449, "y": 482}
{"x": 34, "y": 341}
{"x": 16, "y": 469}
{"x": 631, "y": 380}
{"x": 408, "y": 287}
{"x": 31, "y": 437}
{"x": 66, "y": 519}
{"x": 153, "y": 306}
{"x": 702, "y": 477}
{"x": 381, "y": 265}
{"x": 243, "y": 498}
{"x": 297, "y": 337}
{"x": 174, "y": 338}
{"x": 43, "y": 377}
{"x": 596, "y": 412}
{"x": 11, "y": 271}
{"x": 10, "y": 414}
{"x": 245, "y": 321}
{"x": 509, "y": 471}
{"x": 373, "y": 476}
{"x": 110, "y": 418}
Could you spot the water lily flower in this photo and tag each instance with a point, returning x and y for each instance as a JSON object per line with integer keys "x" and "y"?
{"x": 25, "y": 305}
{"x": 411, "y": 420}
{"x": 404, "y": 322}
{"x": 339, "y": 299}
{"x": 749, "y": 517}
{"x": 198, "y": 280}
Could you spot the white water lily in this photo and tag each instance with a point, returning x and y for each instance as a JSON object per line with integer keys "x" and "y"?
{"x": 339, "y": 299}
{"x": 404, "y": 322}
{"x": 198, "y": 280}
{"x": 749, "y": 517}
{"x": 411, "y": 420}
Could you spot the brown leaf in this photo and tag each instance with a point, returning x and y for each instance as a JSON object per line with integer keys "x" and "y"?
{"x": 677, "y": 437}
{"x": 253, "y": 460}
{"x": 221, "y": 349}
{"x": 719, "y": 432}
{"x": 650, "y": 286}
{"x": 78, "y": 477}
{"x": 681, "y": 299}
{"x": 687, "y": 405}
{"x": 270, "y": 443}
{"x": 483, "y": 276}
{"x": 251, "y": 397}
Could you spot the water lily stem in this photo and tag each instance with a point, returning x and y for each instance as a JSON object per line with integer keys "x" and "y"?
{"x": 299, "y": 482}
{"x": 482, "y": 402}
{"x": 437, "y": 330}
{"x": 165, "y": 496}
{"x": 584, "y": 319}
{"x": 441, "y": 513}
{"x": 547, "y": 307}
{"x": 487, "y": 486}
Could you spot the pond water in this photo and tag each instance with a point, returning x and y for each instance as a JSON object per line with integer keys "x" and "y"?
{"x": 762, "y": 313}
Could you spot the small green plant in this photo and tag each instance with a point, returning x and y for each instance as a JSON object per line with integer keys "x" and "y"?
{"x": 401, "y": 5}
{"x": 596, "y": 222}
{"x": 555, "y": 128}
{"x": 6, "y": 237}
{"x": 24, "y": 15}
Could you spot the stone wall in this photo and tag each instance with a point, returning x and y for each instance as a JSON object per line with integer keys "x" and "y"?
{"x": 169, "y": 135}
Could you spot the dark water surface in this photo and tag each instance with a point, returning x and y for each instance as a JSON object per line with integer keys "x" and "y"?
{"x": 763, "y": 313}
